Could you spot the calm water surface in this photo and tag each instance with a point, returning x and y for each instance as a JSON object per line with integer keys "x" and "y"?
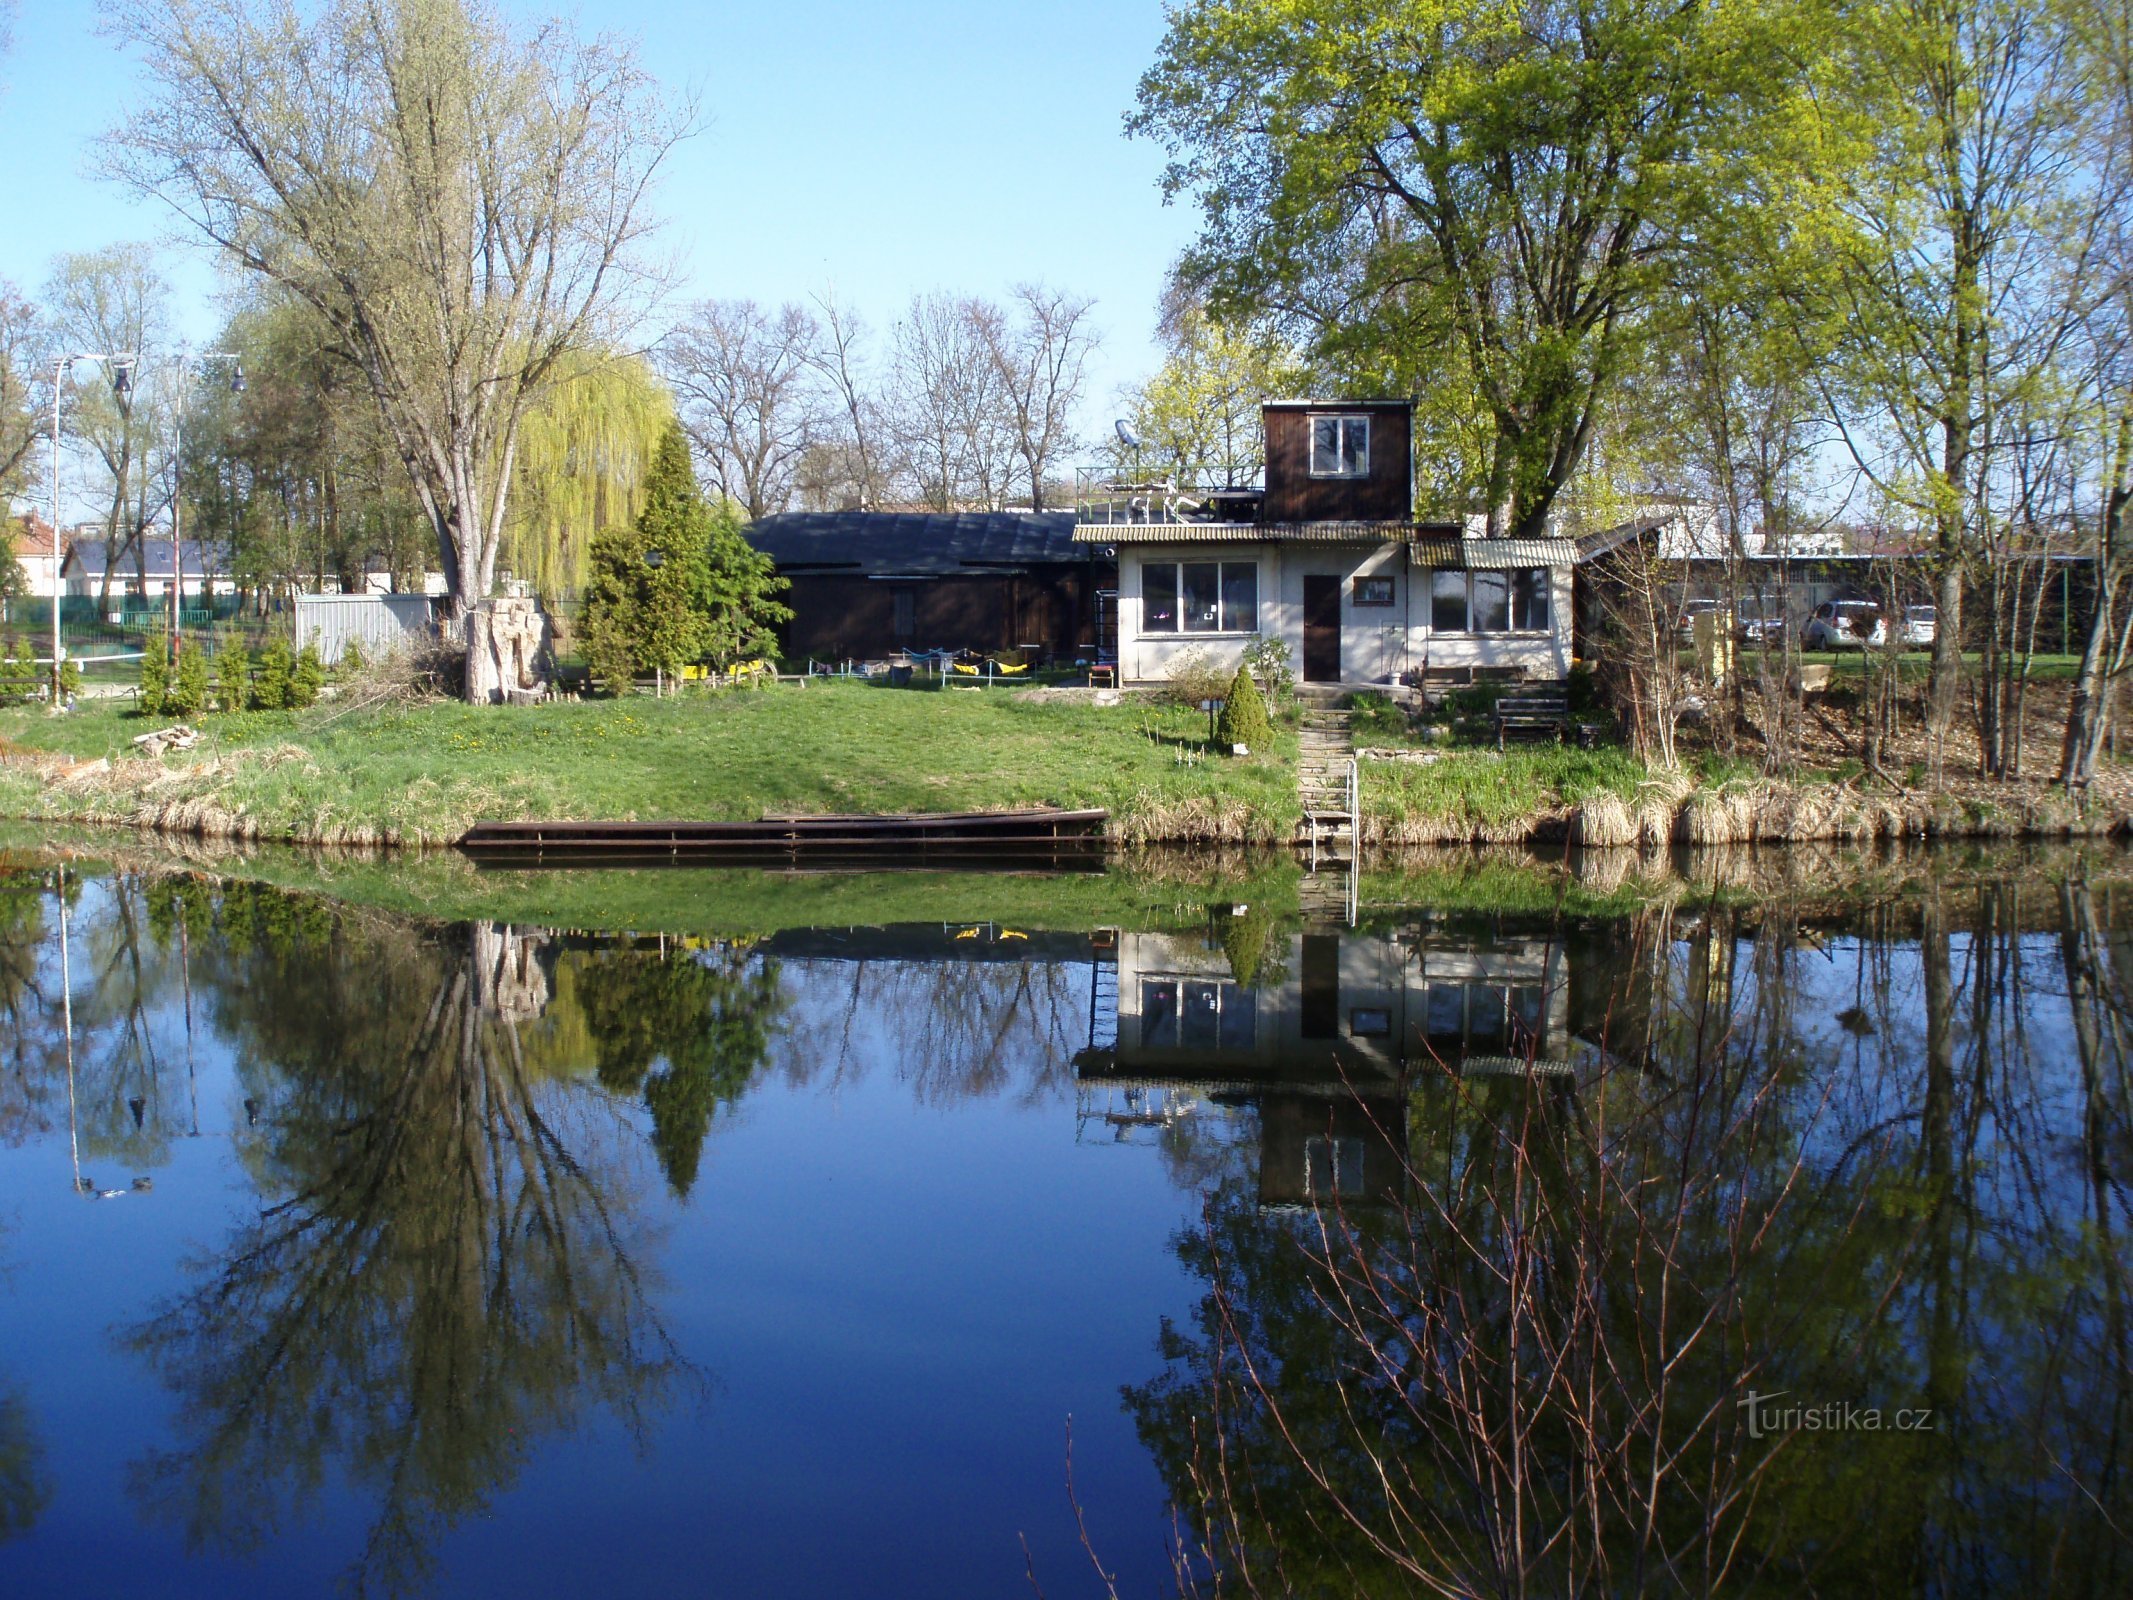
{"x": 1744, "y": 1249}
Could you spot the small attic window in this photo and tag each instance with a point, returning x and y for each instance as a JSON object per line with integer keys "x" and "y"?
{"x": 1340, "y": 447}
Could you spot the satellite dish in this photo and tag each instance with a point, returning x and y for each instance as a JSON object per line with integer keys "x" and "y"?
{"x": 1126, "y": 435}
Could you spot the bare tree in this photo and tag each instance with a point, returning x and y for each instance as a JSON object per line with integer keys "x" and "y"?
{"x": 1041, "y": 354}
{"x": 116, "y": 303}
{"x": 747, "y": 383}
{"x": 2106, "y": 333}
{"x": 461, "y": 201}
{"x": 848, "y": 465}
{"x": 22, "y": 422}
{"x": 947, "y": 404}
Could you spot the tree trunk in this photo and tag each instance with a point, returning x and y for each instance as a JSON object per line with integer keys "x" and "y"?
{"x": 508, "y": 655}
{"x": 2087, "y": 715}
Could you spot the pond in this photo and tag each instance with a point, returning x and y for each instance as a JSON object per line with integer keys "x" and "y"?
{"x": 1738, "y": 1243}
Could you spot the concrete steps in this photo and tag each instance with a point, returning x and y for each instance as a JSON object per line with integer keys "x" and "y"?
{"x": 1326, "y": 748}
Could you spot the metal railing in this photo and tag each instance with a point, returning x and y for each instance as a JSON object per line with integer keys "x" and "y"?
{"x": 1104, "y": 496}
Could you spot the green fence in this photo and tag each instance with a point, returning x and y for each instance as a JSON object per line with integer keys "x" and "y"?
{"x": 125, "y": 613}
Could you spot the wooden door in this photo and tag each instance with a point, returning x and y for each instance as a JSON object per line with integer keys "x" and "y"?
{"x": 1322, "y": 630}
{"x": 1321, "y": 986}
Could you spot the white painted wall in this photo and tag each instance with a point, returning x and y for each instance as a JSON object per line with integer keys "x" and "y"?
{"x": 1378, "y": 644}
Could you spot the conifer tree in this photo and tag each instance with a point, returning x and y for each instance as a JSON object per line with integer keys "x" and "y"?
{"x": 1244, "y": 719}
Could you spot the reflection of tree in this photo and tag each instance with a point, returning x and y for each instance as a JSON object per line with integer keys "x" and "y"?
{"x": 702, "y": 1019}
{"x": 24, "y": 1491}
{"x": 958, "y": 1030}
{"x": 28, "y": 1022}
{"x": 1531, "y": 1378}
{"x": 438, "y": 1277}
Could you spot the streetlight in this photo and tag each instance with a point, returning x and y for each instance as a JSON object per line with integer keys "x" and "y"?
{"x": 189, "y": 367}
{"x": 121, "y": 369}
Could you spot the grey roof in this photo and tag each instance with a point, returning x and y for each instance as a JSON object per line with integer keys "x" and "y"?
{"x": 1453, "y": 553}
{"x": 89, "y": 557}
{"x": 914, "y": 543}
{"x": 1244, "y": 532}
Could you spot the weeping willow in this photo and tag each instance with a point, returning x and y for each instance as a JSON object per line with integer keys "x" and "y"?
{"x": 582, "y": 458}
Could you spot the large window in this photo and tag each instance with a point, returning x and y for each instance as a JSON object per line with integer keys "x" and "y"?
{"x": 1200, "y": 597}
{"x": 1193, "y": 1014}
{"x": 1340, "y": 447}
{"x": 1485, "y": 1016}
{"x": 1489, "y": 602}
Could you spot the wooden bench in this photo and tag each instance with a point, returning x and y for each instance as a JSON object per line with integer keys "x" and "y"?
{"x": 1535, "y": 714}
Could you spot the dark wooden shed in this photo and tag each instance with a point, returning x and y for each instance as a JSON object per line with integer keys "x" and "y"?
{"x": 866, "y": 584}
{"x": 1339, "y": 461}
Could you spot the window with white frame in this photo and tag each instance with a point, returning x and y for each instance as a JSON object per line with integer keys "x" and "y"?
{"x": 1197, "y": 1014}
{"x": 1200, "y": 597}
{"x": 1340, "y": 447}
{"x": 1333, "y": 1166}
{"x": 1508, "y": 601}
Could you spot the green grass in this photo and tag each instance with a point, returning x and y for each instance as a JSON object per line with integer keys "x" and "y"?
{"x": 1914, "y": 665}
{"x": 1492, "y": 791}
{"x": 430, "y": 771}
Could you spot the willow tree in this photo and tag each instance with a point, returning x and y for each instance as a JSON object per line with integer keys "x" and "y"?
{"x": 462, "y": 201}
{"x": 584, "y": 452}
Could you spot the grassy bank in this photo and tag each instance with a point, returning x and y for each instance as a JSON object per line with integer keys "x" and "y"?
{"x": 422, "y": 774}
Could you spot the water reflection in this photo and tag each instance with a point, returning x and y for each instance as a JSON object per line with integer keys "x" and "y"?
{"x": 1744, "y": 1254}
{"x": 447, "y": 1264}
{"x": 1525, "y": 1247}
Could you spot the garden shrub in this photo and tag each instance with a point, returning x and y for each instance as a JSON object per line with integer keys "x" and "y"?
{"x": 306, "y": 679}
{"x": 189, "y": 690}
{"x": 1244, "y": 719}
{"x": 155, "y": 676}
{"x": 1194, "y": 677}
{"x": 233, "y": 675}
{"x": 276, "y": 679}
{"x": 1269, "y": 660}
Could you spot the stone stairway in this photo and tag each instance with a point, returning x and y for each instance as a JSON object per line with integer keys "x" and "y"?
{"x": 1322, "y": 785}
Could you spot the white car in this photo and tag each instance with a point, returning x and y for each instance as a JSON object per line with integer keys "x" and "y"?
{"x": 1845, "y": 625}
{"x": 1921, "y": 624}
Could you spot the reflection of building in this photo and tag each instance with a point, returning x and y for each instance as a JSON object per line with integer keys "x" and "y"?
{"x": 1329, "y": 1036}
{"x": 1338, "y": 1009}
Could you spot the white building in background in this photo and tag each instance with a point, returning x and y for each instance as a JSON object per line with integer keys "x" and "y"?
{"x": 35, "y": 555}
{"x": 144, "y": 572}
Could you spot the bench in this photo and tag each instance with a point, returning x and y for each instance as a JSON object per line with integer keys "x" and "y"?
{"x": 1537, "y": 713}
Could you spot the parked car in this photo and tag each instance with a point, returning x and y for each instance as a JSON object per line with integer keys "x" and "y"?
{"x": 1685, "y": 624}
{"x": 1921, "y": 624}
{"x": 1761, "y": 627}
{"x": 1845, "y": 625}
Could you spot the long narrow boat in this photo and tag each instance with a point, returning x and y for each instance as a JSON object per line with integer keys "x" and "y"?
{"x": 946, "y": 834}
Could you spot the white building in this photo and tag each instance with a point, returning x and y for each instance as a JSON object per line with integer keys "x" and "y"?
{"x": 144, "y": 572}
{"x": 1326, "y": 556}
{"x": 35, "y": 556}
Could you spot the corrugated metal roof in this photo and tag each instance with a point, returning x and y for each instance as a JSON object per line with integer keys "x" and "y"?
{"x": 1243, "y": 532}
{"x": 915, "y": 543}
{"x": 1455, "y": 554}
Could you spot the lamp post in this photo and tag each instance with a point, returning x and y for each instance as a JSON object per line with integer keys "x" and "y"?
{"x": 121, "y": 368}
{"x": 188, "y": 366}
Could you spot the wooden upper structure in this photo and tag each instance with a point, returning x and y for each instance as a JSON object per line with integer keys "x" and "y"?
{"x": 1306, "y": 481}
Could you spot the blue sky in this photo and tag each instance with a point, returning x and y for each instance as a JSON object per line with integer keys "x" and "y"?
{"x": 886, "y": 149}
